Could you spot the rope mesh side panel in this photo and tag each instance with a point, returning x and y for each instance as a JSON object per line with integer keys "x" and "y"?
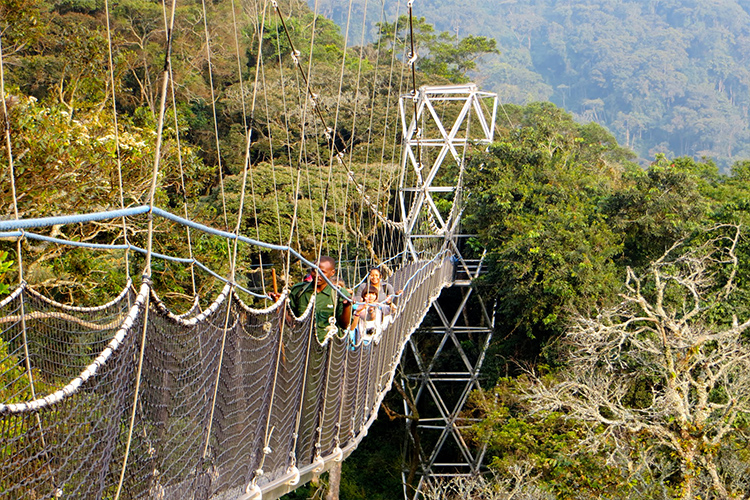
{"x": 71, "y": 447}
{"x": 180, "y": 362}
{"x": 332, "y": 399}
{"x": 62, "y": 341}
{"x": 350, "y": 389}
{"x": 244, "y": 397}
{"x": 312, "y": 403}
{"x": 15, "y": 383}
{"x": 287, "y": 398}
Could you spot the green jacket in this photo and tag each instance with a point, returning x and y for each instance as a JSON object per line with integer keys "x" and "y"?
{"x": 325, "y": 303}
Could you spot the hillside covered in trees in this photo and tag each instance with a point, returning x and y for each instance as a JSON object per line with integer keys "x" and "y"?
{"x": 665, "y": 77}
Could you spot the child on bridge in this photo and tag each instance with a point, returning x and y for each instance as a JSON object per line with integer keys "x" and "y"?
{"x": 371, "y": 318}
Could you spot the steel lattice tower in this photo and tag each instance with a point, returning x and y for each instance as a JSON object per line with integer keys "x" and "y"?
{"x": 442, "y": 361}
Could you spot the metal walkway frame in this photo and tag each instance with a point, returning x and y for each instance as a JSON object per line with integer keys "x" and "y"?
{"x": 432, "y": 169}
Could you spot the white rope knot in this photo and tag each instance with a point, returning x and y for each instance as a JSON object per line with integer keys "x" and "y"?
{"x": 331, "y": 329}
{"x": 259, "y": 473}
{"x": 58, "y": 492}
{"x": 410, "y": 3}
{"x": 314, "y": 100}
{"x": 319, "y": 464}
{"x": 157, "y": 492}
{"x": 294, "y": 471}
{"x": 267, "y": 450}
{"x": 295, "y": 57}
{"x": 253, "y": 491}
{"x": 275, "y": 4}
{"x": 413, "y": 58}
{"x": 338, "y": 454}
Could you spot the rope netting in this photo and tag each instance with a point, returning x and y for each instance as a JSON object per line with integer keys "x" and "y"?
{"x": 230, "y": 399}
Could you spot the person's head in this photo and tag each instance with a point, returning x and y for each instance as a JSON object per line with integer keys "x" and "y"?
{"x": 370, "y": 295}
{"x": 327, "y": 267}
{"x": 374, "y": 276}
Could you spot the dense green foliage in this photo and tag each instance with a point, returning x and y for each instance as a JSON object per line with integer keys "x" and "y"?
{"x": 551, "y": 247}
{"x": 569, "y": 211}
{"x": 663, "y": 76}
{"x": 565, "y": 215}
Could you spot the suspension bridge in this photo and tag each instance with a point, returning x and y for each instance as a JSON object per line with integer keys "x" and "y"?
{"x": 235, "y": 397}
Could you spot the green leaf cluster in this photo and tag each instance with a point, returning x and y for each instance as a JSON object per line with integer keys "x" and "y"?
{"x": 440, "y": 55}
{"x": 534, "y": 204}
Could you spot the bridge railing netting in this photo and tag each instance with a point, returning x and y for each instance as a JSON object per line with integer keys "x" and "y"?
{"x": 226, "y": 399}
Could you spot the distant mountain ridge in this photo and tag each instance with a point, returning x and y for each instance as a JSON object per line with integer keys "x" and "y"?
{"x": 664, "y": 76}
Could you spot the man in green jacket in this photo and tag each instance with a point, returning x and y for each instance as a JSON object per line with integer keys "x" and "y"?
{"x": 330, "y": 308}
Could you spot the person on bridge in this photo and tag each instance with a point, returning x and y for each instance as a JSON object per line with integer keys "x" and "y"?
{"x": 385, "y": 290}
{"x": 371, "y": 317}
{"x": 331, "y": 310}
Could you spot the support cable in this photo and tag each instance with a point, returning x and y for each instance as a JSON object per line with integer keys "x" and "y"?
{"x": 260, "y": 69}
{"x": 401, "y": 84}
{"x": 149, "y": 247}
{"x": 331, "y": 134}
{"x": 182, "y": 180}
{"x": 413, "y": 65}
{"x": 213, "y": 111}
{"x": 247, "y": 169}
{"x": 323, "y": 186}
{"x": 287, "y": 128}
{"x": 336, "y": 116}
{"x": 371, "y": 258}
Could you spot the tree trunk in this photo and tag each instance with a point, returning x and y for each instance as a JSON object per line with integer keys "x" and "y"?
{"x": 688, "y": 473}
{"x": 334, "y": 481}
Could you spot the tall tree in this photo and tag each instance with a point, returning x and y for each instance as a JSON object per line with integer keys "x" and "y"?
{"x": 443, "y": 55}
{"x": 662, "y": 375}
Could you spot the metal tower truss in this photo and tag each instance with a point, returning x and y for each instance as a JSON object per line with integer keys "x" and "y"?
{"x": 441, "y": 366}
{"x": 434, "y": 155}
{"x": 442, "y": 361}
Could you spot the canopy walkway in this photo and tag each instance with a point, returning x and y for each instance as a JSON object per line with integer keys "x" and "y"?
{"x": 227, "y": 400}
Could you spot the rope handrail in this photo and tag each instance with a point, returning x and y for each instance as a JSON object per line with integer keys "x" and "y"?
{"x": 7, "y": 225}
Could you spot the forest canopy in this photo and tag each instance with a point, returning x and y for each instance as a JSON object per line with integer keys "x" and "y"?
{"x": 569, "y": 219}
